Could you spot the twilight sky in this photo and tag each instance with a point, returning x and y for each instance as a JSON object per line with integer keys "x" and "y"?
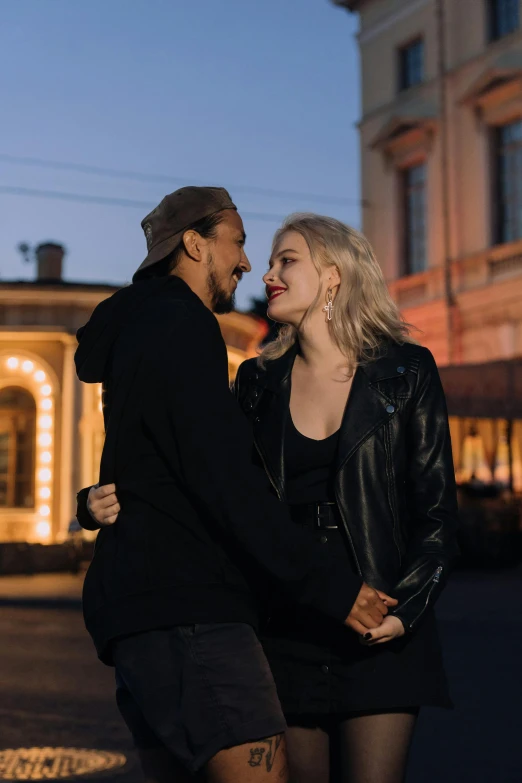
{"x": 258, "y": 94}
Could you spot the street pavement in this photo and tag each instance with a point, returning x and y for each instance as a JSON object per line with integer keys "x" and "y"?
{"x": 42, "y": 590}
{"x": 54, "y": 692}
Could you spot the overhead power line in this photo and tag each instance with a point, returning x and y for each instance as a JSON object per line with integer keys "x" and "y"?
{"x": 115, "y": 202}
{"x": 142, "y": 177}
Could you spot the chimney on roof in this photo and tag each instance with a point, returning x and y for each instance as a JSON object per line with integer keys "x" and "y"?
{"x": 49, "y": 257}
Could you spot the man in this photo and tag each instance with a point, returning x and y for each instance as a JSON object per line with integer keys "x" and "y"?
{"x": 169, "y": 598}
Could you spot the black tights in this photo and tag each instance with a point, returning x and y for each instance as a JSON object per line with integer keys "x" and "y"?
{"x": 363, "y": 747}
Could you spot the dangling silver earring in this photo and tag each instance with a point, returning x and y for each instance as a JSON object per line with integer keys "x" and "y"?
{"x": 329, "y": 307}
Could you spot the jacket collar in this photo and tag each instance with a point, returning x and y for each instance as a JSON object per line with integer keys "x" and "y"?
{"x": 388, "y": 364}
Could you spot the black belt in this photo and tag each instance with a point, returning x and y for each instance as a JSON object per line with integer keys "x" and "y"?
{"x": 319, "y": 516}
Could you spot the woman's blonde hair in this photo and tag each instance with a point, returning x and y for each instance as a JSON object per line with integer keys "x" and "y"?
{"x": 364, "y": 314}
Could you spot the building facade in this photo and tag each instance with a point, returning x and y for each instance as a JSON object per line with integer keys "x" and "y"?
{"x": 441, "y": 156}
{"x": 51, "y": 426}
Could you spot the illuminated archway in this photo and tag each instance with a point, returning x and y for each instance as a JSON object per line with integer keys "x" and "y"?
{"x": 20, "y": 369}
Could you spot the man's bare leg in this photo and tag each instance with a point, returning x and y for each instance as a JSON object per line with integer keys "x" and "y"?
{"x": 262, "y": 761}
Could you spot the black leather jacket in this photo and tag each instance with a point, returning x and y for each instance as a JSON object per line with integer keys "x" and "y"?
{"x": 395, "y": 483}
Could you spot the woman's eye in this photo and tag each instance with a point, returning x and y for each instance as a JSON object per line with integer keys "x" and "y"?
{"x": 287, "y": 260}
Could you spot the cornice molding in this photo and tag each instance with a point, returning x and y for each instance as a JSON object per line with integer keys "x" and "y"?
{"x": 390, "y": 20}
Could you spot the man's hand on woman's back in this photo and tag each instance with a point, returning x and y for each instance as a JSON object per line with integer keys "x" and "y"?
{"x": 103, "y": 505}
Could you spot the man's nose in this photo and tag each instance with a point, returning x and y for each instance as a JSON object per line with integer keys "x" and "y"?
{"x": 245, "y": 263}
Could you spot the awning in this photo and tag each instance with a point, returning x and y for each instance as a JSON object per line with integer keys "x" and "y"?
{"x": 484, "y": 391}
{"x": 505, "y": 68}
{"x": 413, "y": 116}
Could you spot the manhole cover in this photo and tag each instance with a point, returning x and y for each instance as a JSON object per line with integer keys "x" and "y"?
{"x": 55, "y": 763}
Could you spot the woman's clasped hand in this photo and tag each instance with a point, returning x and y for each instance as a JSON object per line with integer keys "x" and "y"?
{"x": 369, "y": 617}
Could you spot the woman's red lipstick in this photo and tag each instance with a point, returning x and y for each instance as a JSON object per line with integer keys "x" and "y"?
{"x": 273, "y": 291}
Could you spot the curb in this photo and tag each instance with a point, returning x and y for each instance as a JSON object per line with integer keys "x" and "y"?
{"x": 74, "y": 604}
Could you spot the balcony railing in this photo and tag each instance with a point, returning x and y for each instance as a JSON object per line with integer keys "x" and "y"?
{"x": 490, "y": 266}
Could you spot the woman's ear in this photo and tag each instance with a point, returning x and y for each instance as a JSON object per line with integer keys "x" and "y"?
{"x": 333, "y": 278}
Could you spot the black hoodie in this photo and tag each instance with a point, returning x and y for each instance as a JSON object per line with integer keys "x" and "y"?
{"x": 199, "y": 528}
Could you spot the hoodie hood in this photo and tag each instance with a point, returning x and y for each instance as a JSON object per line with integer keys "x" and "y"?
{"x": 96, "y": 339}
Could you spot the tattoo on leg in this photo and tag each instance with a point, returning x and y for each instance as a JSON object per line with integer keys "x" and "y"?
{"x": 269, "y": 753}
{"x": 256, "y": 757}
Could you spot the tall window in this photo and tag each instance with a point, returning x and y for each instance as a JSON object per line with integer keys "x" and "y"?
{"x": 504, "y": 18}
{"x": 508, "y": 144}
{"x": 414, "y": 220}
{"x": 411, "y": 64}
{"x": 17, "y": 447}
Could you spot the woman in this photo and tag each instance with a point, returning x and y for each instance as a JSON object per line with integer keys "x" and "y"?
{"x": 351, "y": 427}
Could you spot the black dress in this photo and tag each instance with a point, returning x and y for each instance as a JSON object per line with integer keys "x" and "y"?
{"x": 319, "y": 666}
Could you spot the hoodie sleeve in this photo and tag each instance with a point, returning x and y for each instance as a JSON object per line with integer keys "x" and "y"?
{"x": 83, "y": 514}
{"x": 211, "y": 444}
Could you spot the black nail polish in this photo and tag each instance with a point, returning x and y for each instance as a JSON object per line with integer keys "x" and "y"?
{"x": 367, "y": 636}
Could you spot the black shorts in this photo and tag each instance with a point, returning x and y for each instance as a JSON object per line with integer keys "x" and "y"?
{"x": 196, "y": 689}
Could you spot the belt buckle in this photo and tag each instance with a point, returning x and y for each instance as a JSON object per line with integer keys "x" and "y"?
{"x": 322, "y": 512}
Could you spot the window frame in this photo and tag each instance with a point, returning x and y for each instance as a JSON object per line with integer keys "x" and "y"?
{"x": 402, "y": 83}
{"x": 408, "y": 266}
{"x": 500, "y": 192}
{"x": 494, "y": 32}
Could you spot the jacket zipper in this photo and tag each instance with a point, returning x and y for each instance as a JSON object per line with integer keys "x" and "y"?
{"x": 435, "y": 579}
{"x": 392, "y": 493}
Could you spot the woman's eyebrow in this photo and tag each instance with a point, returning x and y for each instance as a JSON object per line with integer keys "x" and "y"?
{"x": 286, "y": 250}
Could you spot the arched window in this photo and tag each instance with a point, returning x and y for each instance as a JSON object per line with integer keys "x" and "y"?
{"x": 17, "y": 448}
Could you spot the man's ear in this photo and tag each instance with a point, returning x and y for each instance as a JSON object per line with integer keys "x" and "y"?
{"x": 194, "y": 245}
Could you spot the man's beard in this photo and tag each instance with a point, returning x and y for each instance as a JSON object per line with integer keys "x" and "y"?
{"x": 221, "y": 301}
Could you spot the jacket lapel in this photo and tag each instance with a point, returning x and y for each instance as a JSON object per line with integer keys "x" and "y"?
{"x": 366, "y": 411}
